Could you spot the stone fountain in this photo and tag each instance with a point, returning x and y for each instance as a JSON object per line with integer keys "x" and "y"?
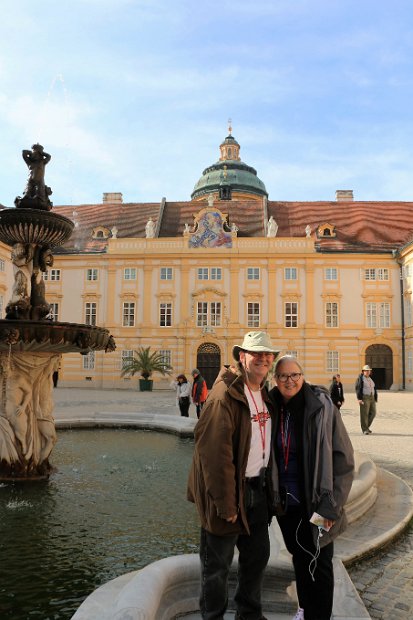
{"x": 31, "y": 344}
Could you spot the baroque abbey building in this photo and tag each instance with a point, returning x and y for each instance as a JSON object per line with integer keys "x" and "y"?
{"x": 331, "y": 281}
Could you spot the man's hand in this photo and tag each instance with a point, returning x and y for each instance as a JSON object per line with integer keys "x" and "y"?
{"x": 361, "y": 402}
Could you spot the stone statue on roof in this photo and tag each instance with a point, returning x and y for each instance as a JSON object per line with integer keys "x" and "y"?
{"x": 211, "y": 200}
{"x": 272, "y": 227}
{"x": 308, "y": 230}
{"x": 150, "y": 229}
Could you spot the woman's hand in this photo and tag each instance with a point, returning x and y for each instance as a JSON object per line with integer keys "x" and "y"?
{"x": 232, "y": 519}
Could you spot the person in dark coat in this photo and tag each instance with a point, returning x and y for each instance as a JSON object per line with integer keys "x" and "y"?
{"x": 336, "y": 391}
{"x": 199, "y": 391}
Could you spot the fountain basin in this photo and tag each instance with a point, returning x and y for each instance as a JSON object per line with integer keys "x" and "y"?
{"x": 34, "y": 226}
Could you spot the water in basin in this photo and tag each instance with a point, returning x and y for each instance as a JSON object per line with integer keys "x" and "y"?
{"x": 116, "y": 503}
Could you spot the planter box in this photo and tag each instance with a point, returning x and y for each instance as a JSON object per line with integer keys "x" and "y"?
{"x": 145, "y": 385}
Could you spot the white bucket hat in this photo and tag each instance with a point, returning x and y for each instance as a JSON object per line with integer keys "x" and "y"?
{"x": 366, "y": 367}
{"x": 258, "y": 342}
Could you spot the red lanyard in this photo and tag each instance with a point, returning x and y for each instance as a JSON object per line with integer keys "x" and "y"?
{"x": 261, "y": 417}
{"x": 285, "y": 437}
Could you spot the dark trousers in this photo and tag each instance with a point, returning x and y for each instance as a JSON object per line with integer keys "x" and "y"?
{"x": 198, "y": 407}
{"x": 315, "y": 597}
{"x": 184, "y": 406}
{"x": 217, "y": 552}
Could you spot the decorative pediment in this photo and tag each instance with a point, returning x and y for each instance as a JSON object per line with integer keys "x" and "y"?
{"x": 100, "y": 232}
{"x": 326, "y": 230}
{"x": 210, "y": 230}
{"x": 208, "y": 291}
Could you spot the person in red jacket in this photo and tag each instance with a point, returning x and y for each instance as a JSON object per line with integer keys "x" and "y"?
{"x": 199, "y": 391}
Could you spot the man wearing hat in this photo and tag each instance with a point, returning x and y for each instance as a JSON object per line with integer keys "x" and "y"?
{"x": 367, "y": 397}
{"x": 229, "y": 480}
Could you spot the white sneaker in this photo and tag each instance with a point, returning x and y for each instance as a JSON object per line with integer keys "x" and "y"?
{"x": 299, "y": 615}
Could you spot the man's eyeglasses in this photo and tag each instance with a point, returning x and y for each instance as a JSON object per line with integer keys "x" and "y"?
{"x": 259, "y": 353}
{"x": 294, "y": 376}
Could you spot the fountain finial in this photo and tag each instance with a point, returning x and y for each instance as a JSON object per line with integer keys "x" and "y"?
{"x": 36, "y": 195}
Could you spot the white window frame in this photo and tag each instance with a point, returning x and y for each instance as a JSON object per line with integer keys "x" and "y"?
{"x": 331, "y": 314}
{"x": 203, "y": 273}
{"x": 290, "y": 273}
{"x": 166, "y": 273}
{"x": 408, "y": 311}
{"x": 54, "y": 311}
{"x": 378, "y": 315}
{"x": 92, "y": 274}
{"x": 253, "y": 273}
{"x": 253, "y": 314}
{"x": 89, "y": 360}
{"x": 128, "y": 313}
{"x": 209, "y": 314}
{"x": 125, "y": 356}
{"x": 129, "y": 273}
{"x": 165, "y": 314}
{"x": 90, "y": 312}
{"x": 2, "y": 264}
{"x": 216, "y": 273}
{"x": 332, "y": 361}
{"x": 291, "y": 314}
{"x": 166, "y": 355}
{"x": 331, "y": 274}
{"x": 54, "y": 275}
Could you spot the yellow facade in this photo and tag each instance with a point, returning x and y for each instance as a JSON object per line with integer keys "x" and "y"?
{"x": 268, "y": 272}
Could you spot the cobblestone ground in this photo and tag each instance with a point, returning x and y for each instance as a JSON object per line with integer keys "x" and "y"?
{"x": 385, "y": 581}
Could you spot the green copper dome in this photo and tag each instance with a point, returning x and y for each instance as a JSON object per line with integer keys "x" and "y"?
{"x": 229, "y": 174}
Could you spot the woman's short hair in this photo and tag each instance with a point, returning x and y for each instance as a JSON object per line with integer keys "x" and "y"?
{"x": 287, "y": 358}
{"x": 184, "y": 379}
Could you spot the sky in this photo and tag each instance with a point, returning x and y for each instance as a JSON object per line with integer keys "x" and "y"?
{"x": 134, "y": 96}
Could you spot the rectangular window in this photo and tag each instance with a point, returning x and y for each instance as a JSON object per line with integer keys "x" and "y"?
{"x": 126, "y": 355}
{"x": 2, "y": 264}
{"x": 215, "y": 307}
{"x": 378, "y": 315}
{"x": 165, "y": 315}
{"x": 410, "y": 361}
{"x": 129, "y": 273}
{"x": 331, "y": 273}
{"x": 54, "y": 312}
{"x": 216, "y": 273}
{"x": 54, "y": 275}
{"x": 89, "y": 361}
{"x": 381, "y": 274}
{"x": 203, "y": 273}
{"x": 90, "y": 313}
{"x": 202, "y": 314}
{"x": 253, "y": 273}
{"x": 291, "y": 314}
{"x": 253, "y": 314}
{"x": 128, "y": 314}
{"x": 290, "y": 273}
{"x": 166, "y": 356}
{"x": 166, "y": 273}
{"x": 92, "y": 275}
{"x": 292, "y": 353}
{"x": 331, "y": 314}
{"x": 332, "y": 361}
{"x": 1, "y": 306}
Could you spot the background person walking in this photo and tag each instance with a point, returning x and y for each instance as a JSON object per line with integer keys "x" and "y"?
{"x": 366, "y": 393}
{"x": 199, "y": 391}
{"x": 183, "y": 394}
{"x": 336, "y": 391}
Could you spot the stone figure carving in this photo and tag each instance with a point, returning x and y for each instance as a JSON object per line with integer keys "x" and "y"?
{"x": 272, "y": 227}
{"x": 114, "y": 232}
{"x": 26, "y": 415}
{"x": 234, "y": 228}
{"x": 150, "y": 229}
{"x": 308, "y": 230}
{"x": 186, "y": 227}
{"x": 211, "y": 200}
{"x": 36, "y": 195}
{"x": 28, "y": 294}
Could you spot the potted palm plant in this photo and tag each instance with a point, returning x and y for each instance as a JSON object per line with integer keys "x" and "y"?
{"x": 145, "y": 363}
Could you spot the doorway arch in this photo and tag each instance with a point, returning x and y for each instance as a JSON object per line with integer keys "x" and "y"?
{"x": 208, "y": 362}
{"x": 380, "y": 358}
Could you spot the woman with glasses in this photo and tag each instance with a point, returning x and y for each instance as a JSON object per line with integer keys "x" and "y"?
{"x": 313, "y": 472}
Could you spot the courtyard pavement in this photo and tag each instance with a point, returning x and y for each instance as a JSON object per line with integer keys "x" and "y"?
{"x": 385, "y": 581}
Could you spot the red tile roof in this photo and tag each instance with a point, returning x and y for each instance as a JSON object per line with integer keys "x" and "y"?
{"x": 359, "y": 226}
